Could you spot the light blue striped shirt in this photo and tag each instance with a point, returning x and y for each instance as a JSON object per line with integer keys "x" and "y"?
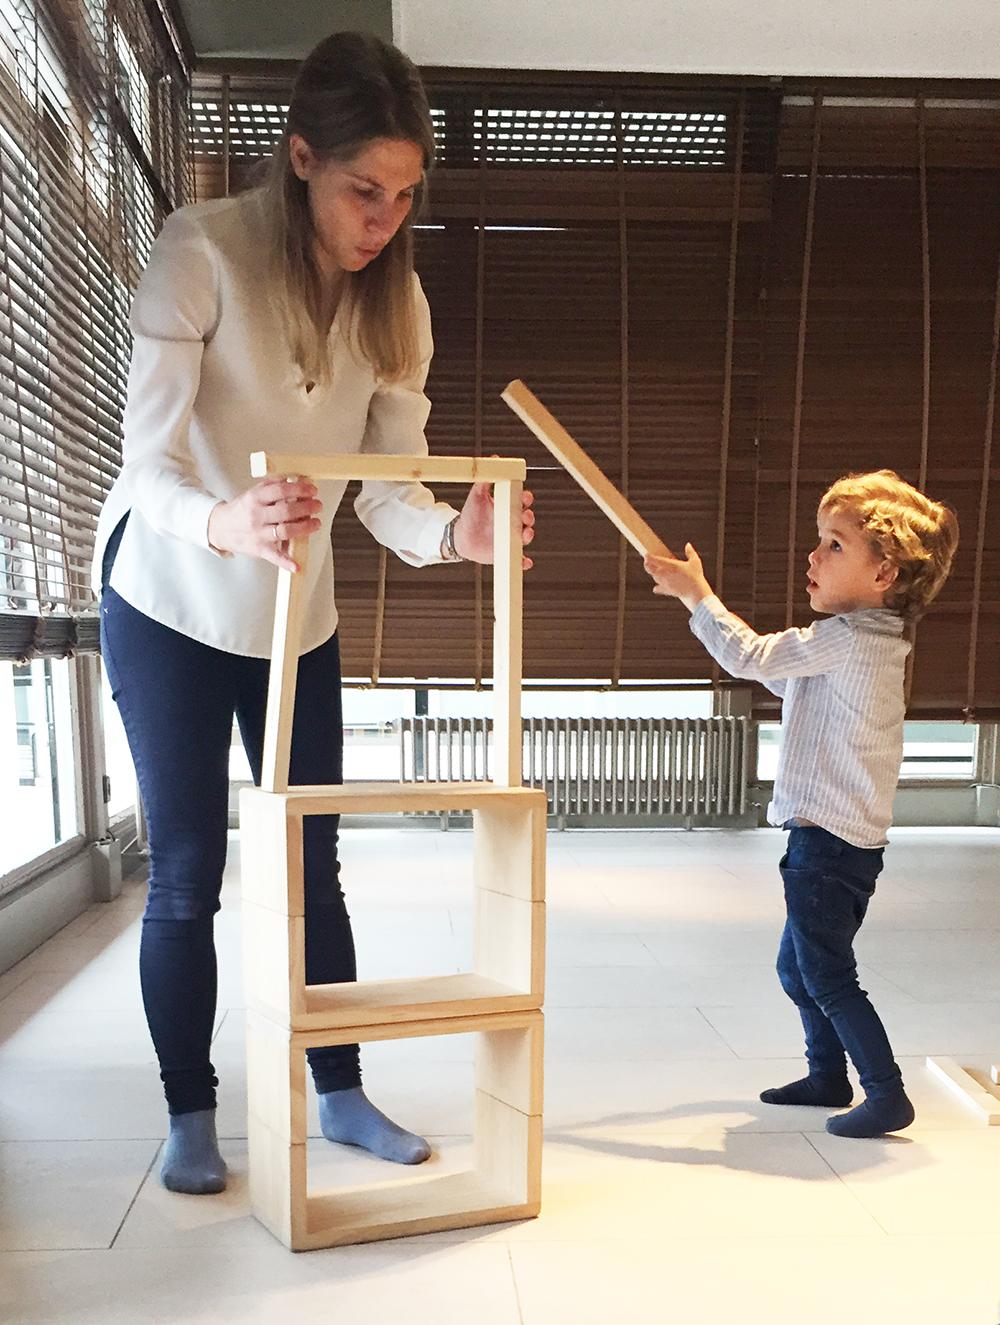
{"x": 841, "y": 682}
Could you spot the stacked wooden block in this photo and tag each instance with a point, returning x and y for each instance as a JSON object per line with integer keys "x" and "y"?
{"x": 499, "y": 999}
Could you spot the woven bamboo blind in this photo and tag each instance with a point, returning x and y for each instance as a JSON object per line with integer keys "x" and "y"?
{"x": 730, "y": 296}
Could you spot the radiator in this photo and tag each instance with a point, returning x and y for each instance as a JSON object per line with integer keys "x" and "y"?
{"x": 635, "y": 768}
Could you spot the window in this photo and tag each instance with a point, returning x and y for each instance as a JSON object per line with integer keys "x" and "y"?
{"x": 930, "y": 750}
{"x": 37, "y": 766}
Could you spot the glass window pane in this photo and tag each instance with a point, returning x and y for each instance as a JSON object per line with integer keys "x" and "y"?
{"x": 930, "y": 750}
{"x": 118, "y": 759}
{"x": 37, "y": 764}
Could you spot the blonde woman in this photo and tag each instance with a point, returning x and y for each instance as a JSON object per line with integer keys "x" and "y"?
{"x": 287, "y": 315}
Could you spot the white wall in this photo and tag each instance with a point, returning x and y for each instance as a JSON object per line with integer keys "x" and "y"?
{"x": 925, "y": 38}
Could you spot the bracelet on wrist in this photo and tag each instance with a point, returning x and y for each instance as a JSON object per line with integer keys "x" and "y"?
{"x": 448, "y": 549}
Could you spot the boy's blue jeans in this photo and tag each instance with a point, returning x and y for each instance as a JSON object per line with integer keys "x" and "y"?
{"x": 828, "y": 885}
{"x": 177, "y": 698}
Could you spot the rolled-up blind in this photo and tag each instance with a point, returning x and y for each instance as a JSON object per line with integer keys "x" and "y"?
{"x": 731, "y": 292}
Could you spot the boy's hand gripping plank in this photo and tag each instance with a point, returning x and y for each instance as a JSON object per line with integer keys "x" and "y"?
{"x": 550, "y": 432}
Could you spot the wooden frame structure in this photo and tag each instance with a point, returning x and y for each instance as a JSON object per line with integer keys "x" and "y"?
{"x": 500, "y": 999}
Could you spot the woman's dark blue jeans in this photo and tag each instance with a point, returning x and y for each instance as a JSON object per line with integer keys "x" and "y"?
{"x": 177, "y": 699}
{"x": 828, "y": 885}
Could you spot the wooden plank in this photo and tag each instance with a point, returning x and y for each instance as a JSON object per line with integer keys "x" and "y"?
{"x": 510, "y": 1065}
{"x": 277, "y": 1181}
{"x": 389, "y": 468}
{"x": 967, "y": 1089}
{"x": 507, "y": 630}
{"x": 284, "y": 670}
{"x": 509, "y": 845}
{"x": 270, "y": 853}
{"x": 276, "y": 1079}
{"x": 393, "y": 797}
{"x": 469, "y": 1023}
{"x": 509, "y": 1150}
{"x": 550, "y": 432}
{"x": 395, "y": 1004}
{"x": 274, "y": 962}
{"x": 510, "y": 942}
{"x": 431, "y": 1204}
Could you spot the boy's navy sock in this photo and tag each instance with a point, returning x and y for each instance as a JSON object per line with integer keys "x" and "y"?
{"x": 821, "y": 1092}
{"x": 874, "y": 1117}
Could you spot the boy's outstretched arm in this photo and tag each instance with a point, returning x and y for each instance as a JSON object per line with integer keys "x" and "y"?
{"x": 770, "y": 659}
{"x": 676, "y": 578}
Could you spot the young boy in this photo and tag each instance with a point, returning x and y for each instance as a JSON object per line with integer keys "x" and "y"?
{"x": 884, "y": 551}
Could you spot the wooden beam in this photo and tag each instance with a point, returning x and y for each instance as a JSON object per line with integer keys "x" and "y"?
{"x": 507, "y": 628}
{"x": 550, "y": 432}
{"x": 967, "y": 1089}
{"x": 389, "y": 468}
{"x": 284, "y": 670}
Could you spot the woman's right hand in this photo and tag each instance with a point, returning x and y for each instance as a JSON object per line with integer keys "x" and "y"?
{"x": 264, "y": 520}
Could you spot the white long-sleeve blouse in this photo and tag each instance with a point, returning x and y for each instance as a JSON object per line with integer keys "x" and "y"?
{"x": 212, "y": 380}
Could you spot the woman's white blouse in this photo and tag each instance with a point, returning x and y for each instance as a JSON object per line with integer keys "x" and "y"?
{"x": 211, "y": 380}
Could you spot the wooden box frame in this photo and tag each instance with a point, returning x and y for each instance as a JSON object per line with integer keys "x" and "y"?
{"x": 509, "y": 882}
{"x": 504, "y": 1185}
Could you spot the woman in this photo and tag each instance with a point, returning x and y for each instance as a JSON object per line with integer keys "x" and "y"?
{"x": 286, "y": 317}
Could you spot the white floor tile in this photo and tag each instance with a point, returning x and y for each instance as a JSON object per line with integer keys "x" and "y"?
{"x": 68, "y": 1194}
{"x": 932, "y": 1182}
{"x": 265, "y": 1284}
{"x": 797, "y": 1279}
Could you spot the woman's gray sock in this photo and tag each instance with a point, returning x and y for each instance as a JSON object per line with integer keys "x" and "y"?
{"x": 348, "y": 1116}
{"x": 191, "y": 1159}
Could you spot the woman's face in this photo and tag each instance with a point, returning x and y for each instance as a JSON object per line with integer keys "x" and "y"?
{"x": 358, "y": 205}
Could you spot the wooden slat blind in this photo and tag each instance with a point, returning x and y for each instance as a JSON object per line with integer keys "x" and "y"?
{"x": 646, "y": 257}
{"x": 93, "y": 153}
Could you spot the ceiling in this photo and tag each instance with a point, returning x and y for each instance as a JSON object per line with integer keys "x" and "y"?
{"x": 277, "y": 29}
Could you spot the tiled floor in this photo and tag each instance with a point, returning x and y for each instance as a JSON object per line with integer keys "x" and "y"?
{"x": 671, "y": 1195}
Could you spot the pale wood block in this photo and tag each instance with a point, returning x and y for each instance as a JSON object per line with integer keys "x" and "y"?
{"x": 393, "y": 1003}
{"x": 284, "y": 670}
{"x": 510, "y": 941}
{"x": 274, "y": 962}
{"x": 277, "y": 1172}
{"x": 270, "y": 852}
{"x": 967, "y": 1089}
{"x": 507, "y": 632}
{"x": 390, "y": 797}
{"x": 550, "y": 432}
{"x": 470, "y": 1024}
{"x": 510, "y": 1065}
{"x": 509, "y": 1150}
{"x": 431, "y": 1205}
{"x": 509, "y": 844}
{"x": 276, "y": 1079}
{"x": 388, "y": 468}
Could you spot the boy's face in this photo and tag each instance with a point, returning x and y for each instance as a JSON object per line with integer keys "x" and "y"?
{"x": 844, "y": 573}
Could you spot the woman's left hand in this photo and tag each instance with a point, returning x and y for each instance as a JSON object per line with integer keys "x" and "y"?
{"x": 474, "y": 527}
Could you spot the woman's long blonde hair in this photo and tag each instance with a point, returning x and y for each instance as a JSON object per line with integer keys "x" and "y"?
{"x": 351, "y": 89}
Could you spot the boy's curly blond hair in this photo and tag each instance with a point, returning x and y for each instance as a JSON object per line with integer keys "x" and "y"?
{"x": 914, "y": 534}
